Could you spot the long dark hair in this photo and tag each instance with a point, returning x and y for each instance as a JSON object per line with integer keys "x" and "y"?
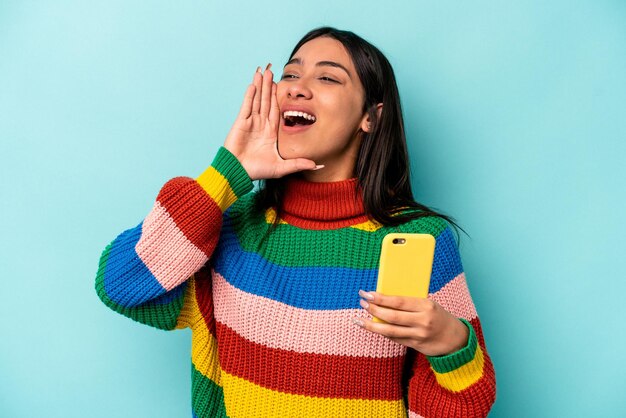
{"x": 382, "y": 166}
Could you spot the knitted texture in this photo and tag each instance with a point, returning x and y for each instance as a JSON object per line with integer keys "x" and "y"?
{"x": 270, "y": 309}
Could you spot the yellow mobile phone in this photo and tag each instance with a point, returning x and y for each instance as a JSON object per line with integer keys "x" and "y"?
{"x": 406, "y": 263}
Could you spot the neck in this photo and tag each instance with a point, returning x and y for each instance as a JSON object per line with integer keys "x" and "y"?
{"x": 330, "y": 172}
{"x": 336, "y": 168}
{"x": 322, "y": 205}
{"x": 327, "y": 174}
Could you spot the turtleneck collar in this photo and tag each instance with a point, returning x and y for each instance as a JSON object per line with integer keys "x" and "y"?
{"x": 322, "y": 205}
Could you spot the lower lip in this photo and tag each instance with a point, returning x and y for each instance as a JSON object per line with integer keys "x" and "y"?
{"x": 294, "y": 129}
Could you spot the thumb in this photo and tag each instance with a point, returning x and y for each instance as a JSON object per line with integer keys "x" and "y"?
{"x": 295, "y": 165}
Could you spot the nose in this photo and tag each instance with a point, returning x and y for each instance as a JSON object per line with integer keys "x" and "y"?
{"x": 298, "y": 89}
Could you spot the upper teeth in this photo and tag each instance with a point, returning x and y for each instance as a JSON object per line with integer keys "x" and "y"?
{"x": 296, "y": 113}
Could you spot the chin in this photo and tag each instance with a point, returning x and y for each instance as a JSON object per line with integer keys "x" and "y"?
{"x": 288, "y": 149}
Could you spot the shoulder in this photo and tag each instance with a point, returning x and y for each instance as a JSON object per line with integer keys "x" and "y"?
{"x": 245, "y": 203}
{"x": 433, "y": 225}
{"x": 445, "y": 235}
{"x": 244, "y": 209}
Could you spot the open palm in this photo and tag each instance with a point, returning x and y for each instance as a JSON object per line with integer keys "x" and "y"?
{"x": 254, "y": 135}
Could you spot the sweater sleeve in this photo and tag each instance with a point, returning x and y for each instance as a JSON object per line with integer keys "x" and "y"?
{"x": 461, "y": 384}
{"x": 144, "y": 272}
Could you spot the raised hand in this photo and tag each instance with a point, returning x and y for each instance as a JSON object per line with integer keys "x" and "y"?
{"x": 254, "y": 135}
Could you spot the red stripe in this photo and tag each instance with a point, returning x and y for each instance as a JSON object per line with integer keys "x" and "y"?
{"x": 323, "y": 224}
{"x": 479, "y": 331}
{"x": 193, "y": 210}
{"x": 310, "y": 374}
{"x": 427, "y": 398}
{"x": 204, "y": 297}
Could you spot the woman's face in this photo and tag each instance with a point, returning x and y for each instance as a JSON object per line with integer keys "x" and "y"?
{"x": 321, "y": 81}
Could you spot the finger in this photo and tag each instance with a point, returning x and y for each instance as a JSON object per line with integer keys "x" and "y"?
{"x": 407, "y": 342}
{"x": 391, "y": 316}
{"x": 258, "y": 83}
{"x": 402, "y": 303}
{"x": 274, "y": 116}
{"x": 386, "y": 330}
{"x": 266, "y": 95}
{"x": 246, "y": 106}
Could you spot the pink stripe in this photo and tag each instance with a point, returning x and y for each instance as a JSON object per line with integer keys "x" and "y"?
{"x": 414, "y": 415}
{"x": 166, "y": 251}
{"x": 301, "y": 330}
{"x": 455, "y": 298}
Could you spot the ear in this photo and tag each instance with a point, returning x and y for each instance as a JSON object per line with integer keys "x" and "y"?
{"x": 366, "y": 123}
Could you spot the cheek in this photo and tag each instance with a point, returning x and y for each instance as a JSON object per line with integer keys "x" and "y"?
{"x": 343, "y": 105}
{"x": 343, "y": 113}
{"x": 281, "y": 91}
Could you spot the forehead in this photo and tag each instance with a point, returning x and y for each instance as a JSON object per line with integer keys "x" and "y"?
{"x": 324, "y": 49}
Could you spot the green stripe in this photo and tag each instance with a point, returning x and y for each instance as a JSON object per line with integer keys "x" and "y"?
{"x": 207, "y": 398}
{"x": 229, "y": 166}
{"x": 291, "y": 246}
{"x": 451, "y": 362}
{"x": 162, "y": 316}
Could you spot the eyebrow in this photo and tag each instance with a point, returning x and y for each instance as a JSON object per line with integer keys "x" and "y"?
{"x": 298, "y": 61}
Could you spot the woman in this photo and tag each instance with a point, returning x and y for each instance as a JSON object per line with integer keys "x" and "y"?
{"x": 269, "y": 282}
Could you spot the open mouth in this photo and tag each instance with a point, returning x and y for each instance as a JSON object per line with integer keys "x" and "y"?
{"x": 296, "y": 118}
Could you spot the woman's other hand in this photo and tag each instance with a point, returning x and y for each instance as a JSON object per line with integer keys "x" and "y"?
{"x": 421, "y": 324}
{"x": 254, "y": 135}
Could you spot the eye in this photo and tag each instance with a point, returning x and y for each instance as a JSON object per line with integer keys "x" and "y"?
{"x": 329, "y": 79}
{"x": 286, "y": 76}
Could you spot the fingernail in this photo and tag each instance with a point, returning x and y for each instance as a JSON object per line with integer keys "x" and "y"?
{"x": 366, "y": 295}
{"x": 269, "y": 65}
{"x": 364, "y": 304}
{"x": 258, "y": 69}
{"x": 317, "y": 167}
{"x": 357, "y": 322}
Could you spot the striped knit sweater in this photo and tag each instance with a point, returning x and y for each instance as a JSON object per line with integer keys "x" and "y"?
{"x": 270, "y": 313}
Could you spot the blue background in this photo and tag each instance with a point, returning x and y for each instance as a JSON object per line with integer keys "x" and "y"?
{"x": 515, "y": 115}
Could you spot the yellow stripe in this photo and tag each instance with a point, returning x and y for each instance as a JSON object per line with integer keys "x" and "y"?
{"x": 204, "y": 353}
{"x": 373, "y": 225}
{"x": 217, "y": 186}
{"x": 203, "y": 343}
{"x": 270, "y": 215}
{"x": 189, "y": 313}
{"x": 245, "y": 399}
{"x": 464, "y": 376}
{"x": 368, "y": 226}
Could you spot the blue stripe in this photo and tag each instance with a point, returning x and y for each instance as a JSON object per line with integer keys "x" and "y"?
{"x": 318, "y": 288}
{"x": 311, "y": 287}
{"x": 127, "y": 280}
{"x": 169, "y": 297}
{"x": 447, "y": 262}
